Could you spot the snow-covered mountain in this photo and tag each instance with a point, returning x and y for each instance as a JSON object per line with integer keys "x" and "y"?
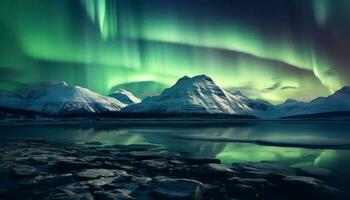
{"x": 61, "y": 99}
{"x": 198, "y": 94}
{"x": 10, "y": 100}
{"x": 125, "y": 97}
{"x": 336, "y": 102}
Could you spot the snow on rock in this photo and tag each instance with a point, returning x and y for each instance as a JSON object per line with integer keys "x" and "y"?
{"x": 198, "y": 94}
{"x": 10, "y": 100}
{"x": 336, "y": 102}
{"x": 61, "y": 99}
{"x": 125, "y": 97}
{"x": 64, "y": 99}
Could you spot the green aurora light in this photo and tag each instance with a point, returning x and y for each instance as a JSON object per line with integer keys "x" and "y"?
{"x": 103, "y": 43}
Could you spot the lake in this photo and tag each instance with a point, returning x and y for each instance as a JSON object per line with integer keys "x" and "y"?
{"x": 292, "y": 143}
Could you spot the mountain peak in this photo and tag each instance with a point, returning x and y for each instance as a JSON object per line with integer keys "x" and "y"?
{"x": 290, "y": 101}
{"x": 344, "y": 90}
{"x": 186, "y": 80}
{"x": 202, "y": 77}
{"x": 125, "y": 97}
{"x": 61, "y": 84}
{"x": 198, "y": 94}
{"x": 53, "y": 84}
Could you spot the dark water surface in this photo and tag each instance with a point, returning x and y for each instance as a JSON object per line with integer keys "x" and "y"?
{"x": 296, "y": 144}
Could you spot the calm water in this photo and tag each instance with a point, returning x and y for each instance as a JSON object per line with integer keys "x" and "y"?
{"x": 232, "y": 143}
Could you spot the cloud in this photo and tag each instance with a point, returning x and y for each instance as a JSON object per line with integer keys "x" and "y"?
{"x": 330, "y": 72}
{"x": 288, "y": 88}
{"x": 275, "y": 86}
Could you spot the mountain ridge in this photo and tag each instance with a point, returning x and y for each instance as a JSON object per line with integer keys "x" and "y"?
{"x": 189, "y": 96}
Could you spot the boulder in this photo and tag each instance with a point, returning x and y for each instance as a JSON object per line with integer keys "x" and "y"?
{"x": 216, "y": 171}
{"x": 176, "y": 189}
{"x": 315, "y": 172}
{"x": 144, "y": 155}
{"x": 98, "y": 173}
{"x": 23, "y": 171}
{"x": 111, "y": 195}
{"x": 200, "y": 160}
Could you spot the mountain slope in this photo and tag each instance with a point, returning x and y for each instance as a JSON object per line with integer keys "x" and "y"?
{"x": 198, "y": 94}
{"x": 61, "y": 99}
{"x": 10, "y": 100}
{"x": 125, "y": 97}
{"x": 336, "y": 102}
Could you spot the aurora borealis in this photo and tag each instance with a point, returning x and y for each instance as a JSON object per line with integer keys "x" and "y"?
{"x": 273, "y": 49}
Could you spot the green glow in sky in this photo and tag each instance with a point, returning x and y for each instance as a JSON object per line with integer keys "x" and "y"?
{"x": 103, "y": 43}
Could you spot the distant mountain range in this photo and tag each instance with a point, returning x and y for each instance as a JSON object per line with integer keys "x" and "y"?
{"x": 196, "y": 96}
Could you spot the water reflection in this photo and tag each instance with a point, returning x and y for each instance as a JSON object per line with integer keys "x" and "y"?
{"x": 168, "y": 136}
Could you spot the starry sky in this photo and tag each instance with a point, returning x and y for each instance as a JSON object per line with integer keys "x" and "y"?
{"x": 271, "y": 49}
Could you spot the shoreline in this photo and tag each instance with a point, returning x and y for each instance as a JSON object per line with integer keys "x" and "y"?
{"x": 159, "y": 121}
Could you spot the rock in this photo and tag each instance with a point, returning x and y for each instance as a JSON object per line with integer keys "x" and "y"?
{"x": 100, "y": 182}
{"x": 198, "y": 160}
{"x": 38, "y": 159}
{"x": 216, "y": 171}
{"x": 23, "y": 171}
{"x": 70, "y": 196}
{"x": 94, "y": 143}
{"x": 301, "y": 187}
{"x": 141, "y": 179}
{"x": 54, "y": 181}
{"x": 315, "y": 172}
{"x": 156, "y": 164}
{"x": 273, "y": 167}
{"x": 244, "y": 191}
{"x": 176, "y": 162}
{"x": 75, "y": 191}
{"x": 255, "y": 182}
{"x": 136, "y": 147}
{"x": 143, "y": 155}
{"x": 214, "y": 192}
{"x": 76, "y": 187}
{"x": 67, "y": 171}
{"x": 176, "y": 189}
{"x": 301, "y": 183}
{"x": 97, "y": 173}
{"x": 271, "y": 171}
{"x": 112, "y": 195}
{"x": 69, "y": 166}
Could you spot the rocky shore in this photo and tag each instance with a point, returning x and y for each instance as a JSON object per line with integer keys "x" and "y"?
{"x": 40, "y": 169}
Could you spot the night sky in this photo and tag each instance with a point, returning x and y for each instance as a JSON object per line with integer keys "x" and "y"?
{"x": 271, "y": 49}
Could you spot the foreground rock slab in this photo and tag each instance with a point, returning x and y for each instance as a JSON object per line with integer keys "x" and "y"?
{"x": 176, "y": 189}
{"x": 42, "y": 169}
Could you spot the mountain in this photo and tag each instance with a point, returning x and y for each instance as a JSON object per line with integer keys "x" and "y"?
{"x": 141, "y": 89}
{"x": 10, "y": 100}
{"x": 125, "y": 97}
{"x": 61, "y": 99}
{"x": 339, "y": 101}
{"x": 198, "y": 94}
